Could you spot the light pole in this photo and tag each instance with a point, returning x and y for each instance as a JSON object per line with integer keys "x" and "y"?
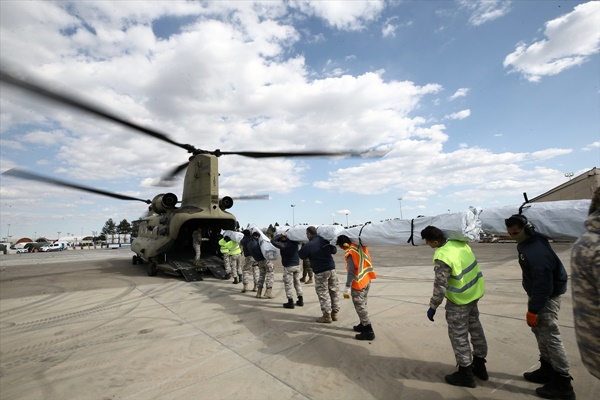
{"x": 400, "y": 200}
{"x": 8, "y": 233}
{"x": 569, "y": 175}
{"x": 347, "y": 221}
{"x": 58, "y": 240}
{"x": 293, "y": 215}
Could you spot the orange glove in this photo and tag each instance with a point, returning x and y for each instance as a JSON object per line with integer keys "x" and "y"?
{"x": 532, "y": 319}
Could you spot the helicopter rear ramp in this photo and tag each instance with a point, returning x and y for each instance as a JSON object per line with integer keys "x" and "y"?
{"x": 194, "y": 273}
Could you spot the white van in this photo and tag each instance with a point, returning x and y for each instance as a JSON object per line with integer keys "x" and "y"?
{"x": 57, "y": 246}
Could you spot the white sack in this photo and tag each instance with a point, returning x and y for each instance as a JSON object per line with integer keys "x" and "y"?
{"x": 297, "y": 233}
{"x": 269, "y": 251}
{"x": 464, "y": 226}
{"x": 557, "y": 220}
{"x": 233, "y": 235}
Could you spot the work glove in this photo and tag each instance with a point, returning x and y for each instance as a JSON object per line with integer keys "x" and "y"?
{"x": 430, "y": 313}
{"x": 347, "y": 293}
{"x": 532, "y": 319}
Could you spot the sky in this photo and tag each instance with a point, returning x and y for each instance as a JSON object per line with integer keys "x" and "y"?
{"x": 475, "y": 103}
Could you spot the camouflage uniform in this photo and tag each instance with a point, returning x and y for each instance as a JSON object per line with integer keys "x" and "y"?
{"x": 306, "y": 270}
{"x": 291, "y": 280}
{"x": 547, "y": 334}
{"x": 197, "y": 242}
{"x": 463, "y": 320}
{"x": 585, "y": 281}
{"x": 266, "y": 274}
{"x": 250, "y": 269}
{"x": 359, "y": 299}
{"x": 326, "y": 286}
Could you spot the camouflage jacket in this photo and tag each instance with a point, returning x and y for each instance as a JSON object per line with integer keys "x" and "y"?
{"x": 585, "y": 281}
{"x": 440, "y": 284}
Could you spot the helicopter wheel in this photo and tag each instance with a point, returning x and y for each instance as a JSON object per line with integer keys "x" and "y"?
{"x": 134, "y": 260}
{"x": 151, "y": 268}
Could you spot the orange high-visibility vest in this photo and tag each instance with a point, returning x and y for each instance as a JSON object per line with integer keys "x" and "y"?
{"x": 363, "y": 269}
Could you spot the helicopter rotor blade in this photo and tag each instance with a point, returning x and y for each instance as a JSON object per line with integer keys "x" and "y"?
{"x": 252, "y": 197}
{"x": 169, "y": 178}
{"x": 21, "y": 174}
{"x": 82, "y": 105}
{"x": 272, "y": 154}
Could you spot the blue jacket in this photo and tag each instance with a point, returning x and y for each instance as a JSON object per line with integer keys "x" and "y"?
{"x": 288, "y": 249}
{"x": 244, "y": 242}
{"x": 544, "y": 275}
{"x": 255, "y": 251}
{"x": 318, "y": 251}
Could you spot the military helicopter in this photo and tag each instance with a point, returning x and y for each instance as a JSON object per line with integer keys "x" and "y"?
{"x": 163, "y": 238}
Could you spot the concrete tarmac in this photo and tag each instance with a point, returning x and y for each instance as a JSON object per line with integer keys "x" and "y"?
{"x": 90, "y": 325}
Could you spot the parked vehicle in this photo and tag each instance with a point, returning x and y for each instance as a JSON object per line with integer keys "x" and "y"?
{"x": 56, "y": 246}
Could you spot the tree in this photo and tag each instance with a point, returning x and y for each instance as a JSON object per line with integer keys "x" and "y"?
{"x": 124, "y": 227}
{"x": 109, "y": 228}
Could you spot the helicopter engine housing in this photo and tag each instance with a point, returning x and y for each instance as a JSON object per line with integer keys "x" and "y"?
{"x": 163, "y": 202}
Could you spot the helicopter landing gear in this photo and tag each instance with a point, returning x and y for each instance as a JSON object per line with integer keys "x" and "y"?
{"x": 151, "y": 268}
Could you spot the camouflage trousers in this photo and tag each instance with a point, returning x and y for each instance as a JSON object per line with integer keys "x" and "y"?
{"x": 326, "y": 286}
{"x": 548, "y": 337}
{"x": 266, "y": 275}
{"x": 359, "y": 299}
{"x": 306, "y": 269}
{"x": 235, "y": 261}
{"x": 197, "y": 248}
{"x": 464, "y": 321}
{"x": 291, "y": 280}
{"x": 227, "y": 263}
{"x": 249, "y": 270}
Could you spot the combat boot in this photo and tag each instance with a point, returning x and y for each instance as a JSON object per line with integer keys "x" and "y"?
{"x": 366, "y": 334}
{"x": 559, "y": 388}
{"x": 325, "y": 319}
{"x": 235, "y": 281}
{"x": 226, "y": 277}
{"x": 300, "y": 301}
{"x": 463, "y": 377}
{"x": 268, "y": 294}
{"x": 245, "y": 288}
{"x": 289, "y": 304}
{"x": 240, "y": 278}
{"x": 479, "y": 369}
{"x": 302, "y": 279}
{"x": 254, "y": 288}
{"x": 358, "y": 328}
{"x": 259, "y": 293}
{"x": 543, "y": 374}
{"x": 334, "y": 316}
{"x": 309, "y": 281}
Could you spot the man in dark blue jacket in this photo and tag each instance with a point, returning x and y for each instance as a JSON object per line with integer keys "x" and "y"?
{"x": 544, "y": 280}
{"x": 319, "y": 251}
{"x": 291, "y": 268}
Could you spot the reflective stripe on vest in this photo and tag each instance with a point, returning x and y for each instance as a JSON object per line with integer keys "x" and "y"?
{"x": 224, "y": 248}
{"x": 466, "y": 284}
{"x": 363, "y": 269}
{"x": 234, "y": 248}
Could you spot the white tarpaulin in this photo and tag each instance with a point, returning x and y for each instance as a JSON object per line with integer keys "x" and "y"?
{"x": 464, "y": 226}
{"x": 557, "y": 220}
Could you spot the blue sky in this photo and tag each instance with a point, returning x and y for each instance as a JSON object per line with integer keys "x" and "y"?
{"x": 476, "y": 101}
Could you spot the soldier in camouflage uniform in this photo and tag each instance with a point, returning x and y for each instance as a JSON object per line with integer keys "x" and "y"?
{"x": 306, "y": 271}
{"x": 265, "y": 268}
{"x": 358, "y": 281}
{"x": 459, "y": 279}
{"x": 544, "y": 281}
{"x": 319, "y": 251}
{"x": 197, "y": 240}
{"x": 250, "y": 266}
{"x": 585, "y": 281}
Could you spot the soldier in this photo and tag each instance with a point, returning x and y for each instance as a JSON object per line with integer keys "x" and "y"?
{"x": 235, "y": 259}
{"x": 319, "y": 251}
{"x": 250, "y": 268}
{"x": 544, "y": 280}
{"x": 265, "y": 268}
{"x": 224, "y": 249}
{"x": 459, "y": 279}
{"x": 291, "y": 268}
{"x": 197, "y": 240}
{"x": 585, "y": 281}
{"x": 358, "y": 282}
{"x": 306, "y": 271}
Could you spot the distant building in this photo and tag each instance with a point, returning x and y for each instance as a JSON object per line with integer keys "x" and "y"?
{"x": 580, "y": 187}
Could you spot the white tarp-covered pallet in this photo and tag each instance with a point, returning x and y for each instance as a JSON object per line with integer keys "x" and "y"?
{"x": 464, "y": 226}
{"x": 557, "y": 220}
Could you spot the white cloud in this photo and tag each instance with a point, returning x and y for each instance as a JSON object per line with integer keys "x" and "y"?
{"x": 484, "y": 11}
{"x": 569, "y": 41}
{"x": 462, "y": 92}
{"x": 459, "y": 115}
{"x": 592, "y": 146}
{"x": 388, "y": 30}
{"x": 343, "y": 15}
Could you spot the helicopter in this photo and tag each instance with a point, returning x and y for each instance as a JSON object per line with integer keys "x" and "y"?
{"x": 164, "y": 234}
